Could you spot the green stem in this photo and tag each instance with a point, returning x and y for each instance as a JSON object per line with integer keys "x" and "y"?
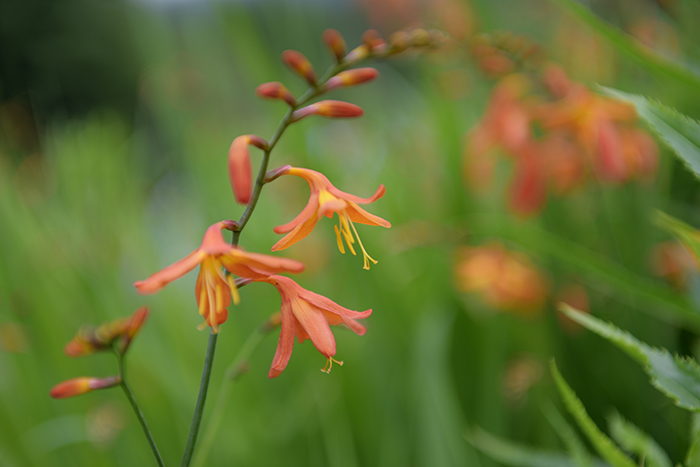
{"x": 201, "y": 399}
{"x": 137, "y": 410}
{"x": 232, "y": 372}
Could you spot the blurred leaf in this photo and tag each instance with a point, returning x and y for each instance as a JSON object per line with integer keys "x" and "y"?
{"x": 692, "y": 457}
{"x": 648, "y": 295}
{"x": 676, "y": 377}
{"x": 680, "y": 132}
{"x": 645, "y": 56}
{"x": 574, "y": 445}
{"x": 634, "y": 440}
{"x": 605, "y": 447}
{"x": 685, "y": 233}
{"x": 517, "y": 455}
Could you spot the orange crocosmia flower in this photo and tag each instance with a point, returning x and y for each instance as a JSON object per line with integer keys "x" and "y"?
{"x": 309, "y": 315}
{"x": 325, "y": 200}
{"x": 214, "y": 288}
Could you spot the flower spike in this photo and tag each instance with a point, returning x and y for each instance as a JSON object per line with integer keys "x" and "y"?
{"x": 214, "y": 289}
{"x": 329, "y": 108}
{"x": 336, "y": 44}
{"x": 298, "y": 63}
{"x": 325, "y": 199}
{"x": 308, "y": 315}
{"x": 77, "y": 386}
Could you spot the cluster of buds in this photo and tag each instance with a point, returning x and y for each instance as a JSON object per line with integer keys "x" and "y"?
{"x": 115, "y": 336}
{"x": 501, "y": 53}
{"x": 225, "y": 267}
{"x": 582, "y": 134}
{"x": 504, "y": 280}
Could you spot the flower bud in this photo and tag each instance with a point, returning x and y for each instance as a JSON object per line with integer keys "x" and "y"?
{"x": 275, "y": 90}
{"x": 358, "y": 53}
{"x": 329, "y": 108}
{"x": 78, "y": 386}
{"x": 419, "y": 38}
{"x": 133, "y": 326}
{"x": 350, "y": 78}
{"x": 239, "y": 169}
{"x": 398, "y": 42}
{"x": 335, "y": 43}
{"x": 299, "y": 64}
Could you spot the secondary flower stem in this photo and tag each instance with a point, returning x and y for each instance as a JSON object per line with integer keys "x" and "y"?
{"x": 137, "y": 411}
{"x": 284, "y": 123}
{"x": 201, "y": 399}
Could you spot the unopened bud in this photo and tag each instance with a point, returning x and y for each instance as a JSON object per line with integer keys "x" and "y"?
{"x": 275, "y": 90}
{"x": 335, "y": 43}
{"x": 398, "y": 42}
{"x": 419, "y": 38}
{"x": 133, "y": 326}
{"x": 299, "y": 64}
{"x": 329, "y": 108}
{"x": 77, "y": 386}
{"x": 231, "y": 225}
{"x": 350, "y": 78}
{"x": 239, "y": 169}
{"x": 357, "y": 54}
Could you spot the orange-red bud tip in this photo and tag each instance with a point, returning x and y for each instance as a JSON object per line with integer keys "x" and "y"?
{"x": 239, "y": 170}
{"x": 336, "y": 44}
{"x": 299, "y": 64}
{"x": 77, "y": 386}
{"x": 329, "y": 108}
{"x": 351, "y": 77}
{"x": 275, "y": 90}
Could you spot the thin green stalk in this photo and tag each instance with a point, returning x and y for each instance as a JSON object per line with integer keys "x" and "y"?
{"x": 201, "y": 399}
{"x": 232, "y": 372}
{"x": 137, "y": 410}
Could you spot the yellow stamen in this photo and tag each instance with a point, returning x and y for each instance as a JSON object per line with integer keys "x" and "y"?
{"x": 329, "y": 365}
{"x": 203, "y": 299}
{"x": 219, "y": 298}
{"x": 339, "y": 240}
{"x": 366, "y": 257}
{"x": 346, "y": 232}
{"x": 202, "y": 326}
{"x": 234, "y": 290}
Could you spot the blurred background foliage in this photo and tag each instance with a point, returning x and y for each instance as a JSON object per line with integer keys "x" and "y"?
{"x": 115, "y": 119}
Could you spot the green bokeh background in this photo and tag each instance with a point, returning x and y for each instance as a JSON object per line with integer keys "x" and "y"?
{"x": 115, "y": 120}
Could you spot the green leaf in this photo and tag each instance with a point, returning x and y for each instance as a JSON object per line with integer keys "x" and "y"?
{"x": 646, "y": 57}
{"x": 650, "y": 296}
{"x": 676, "y": 377}
{"x": 574, "y": 445}
{"x": 605, "y": 447}
{"x": 680, "y": 132}
{"x": 634, "y": 440}
{"x": 685, "y": 233}
{"x": 692, "y": 457}
{"x": 514, "y": 454}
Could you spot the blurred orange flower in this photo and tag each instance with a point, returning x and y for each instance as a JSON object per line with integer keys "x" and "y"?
{"x": 325, "y": 199}
{"x": 214, "y": 288}
{"x": 89, "y": 340}
{"x": 309, "y": 315}
{"x": 673, "y": 261}
{"x": 505, "y": 280}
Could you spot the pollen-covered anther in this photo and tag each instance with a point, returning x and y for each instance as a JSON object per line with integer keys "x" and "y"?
{"x": 336, "y": 44}
{"x": 329, "y": 108}
{"x": 329, "y": 365}
{"x": 351, "y": 77}
{"x": 298, "y": 63}
{"x": 343, "y": 232}
{"x": 275, "y": 90}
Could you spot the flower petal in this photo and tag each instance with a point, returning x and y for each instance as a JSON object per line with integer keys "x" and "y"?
{"x": 285, "y": 344}
{"x": 241, "y": 263}
{"x": 360, "y": 216}
{"x": 303, "y": 216}
{"x": 299, "y": 232}
{"x": 329, "y": 305}
{"x": 314, "y": 322}
{"x": 356, "y": 199}
{"x": 160, "y": 279}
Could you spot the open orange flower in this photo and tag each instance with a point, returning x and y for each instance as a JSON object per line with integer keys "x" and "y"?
{"x": 214, "y": 288}
{"x": 325, "y": 200}
{"x": 309, "y": 315}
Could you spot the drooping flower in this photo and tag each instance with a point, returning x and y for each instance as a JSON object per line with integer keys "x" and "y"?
{"x": 214, "y": 289}
{"x": 325, "y": 199}
{"x": 89, "y": 339}
{"x": 308, "y": 315}
{"x": 83, "y": 385}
